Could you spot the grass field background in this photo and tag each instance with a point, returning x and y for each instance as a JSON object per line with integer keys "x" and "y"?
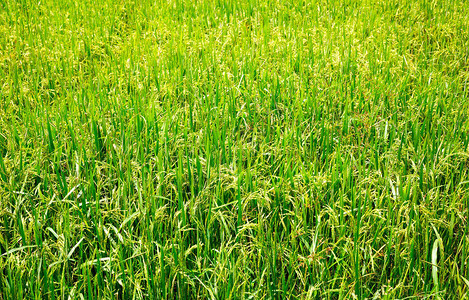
{"x": 234, "y": 149}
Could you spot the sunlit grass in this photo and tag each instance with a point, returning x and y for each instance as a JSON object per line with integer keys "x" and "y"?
{"x": 234, "y": 149}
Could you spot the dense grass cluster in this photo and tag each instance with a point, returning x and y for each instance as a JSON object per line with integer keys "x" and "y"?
{"x": 234, "y": 149}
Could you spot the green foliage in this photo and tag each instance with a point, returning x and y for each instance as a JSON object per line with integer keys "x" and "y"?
{"x": 234, "y": 149}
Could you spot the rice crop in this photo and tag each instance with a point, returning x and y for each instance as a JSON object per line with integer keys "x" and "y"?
{"x": 223, "y": 149}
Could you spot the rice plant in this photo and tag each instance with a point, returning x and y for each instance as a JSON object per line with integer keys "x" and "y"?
{"x": 223, "y": 149}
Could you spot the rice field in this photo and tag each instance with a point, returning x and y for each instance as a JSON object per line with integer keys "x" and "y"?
{"x": 223, "y": 149}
